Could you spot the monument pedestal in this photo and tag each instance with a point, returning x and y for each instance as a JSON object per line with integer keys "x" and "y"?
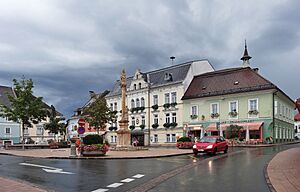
{"x": 124, "y": 138}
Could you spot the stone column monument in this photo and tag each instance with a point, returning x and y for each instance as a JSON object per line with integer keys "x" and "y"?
{"x": 124, "y": 135}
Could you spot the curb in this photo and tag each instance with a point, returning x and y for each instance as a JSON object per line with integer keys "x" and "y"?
{"x": 266, "y": 145}
{"x": 267, "y": 178}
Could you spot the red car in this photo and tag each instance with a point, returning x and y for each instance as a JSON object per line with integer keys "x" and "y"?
{"x": 211, "y": 145}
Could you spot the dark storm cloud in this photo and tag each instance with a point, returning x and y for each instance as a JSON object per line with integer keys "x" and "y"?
{"x": 71, "y": 47}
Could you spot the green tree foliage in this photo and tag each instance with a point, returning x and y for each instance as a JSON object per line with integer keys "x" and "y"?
{"x": 54, "y": 126}
{"x": 25, "y": 108}
{"x": 98, "y": 114}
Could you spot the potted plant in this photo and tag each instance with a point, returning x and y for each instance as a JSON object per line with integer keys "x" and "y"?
{"x": 142, "y": 126}
{"x": 166, "y": 105}
{"x": 194, "y": 116}
{"x": 253, "y": 112}
{"x": 155, "y": 125}
{"x": 93, "y": 146}
{"x": 174, "y": 124}
{"x": 214, "y": 115}
{"x": 173, "y": 104}
{"x": 166, "y": 125}
{"x": 233, "y": 113}
{"x": 142, "y": 108}
{"x": 202, "y": 117}
{"x": 53, "y": 144}
{"x": 184, "y": 143}
{"x": 155, "y": 107}
{"x": 132, "y": 127}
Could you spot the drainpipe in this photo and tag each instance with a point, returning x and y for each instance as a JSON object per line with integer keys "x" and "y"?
{"x": 273, "y": 111}
{"x": 149, "y": 126}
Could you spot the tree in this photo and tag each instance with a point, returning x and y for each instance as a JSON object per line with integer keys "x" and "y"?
{"x": 98, "y": 113}
{"x": 54, "y": 126}
{"x": 233, "y": 132}
{"x": 25, "y": 108}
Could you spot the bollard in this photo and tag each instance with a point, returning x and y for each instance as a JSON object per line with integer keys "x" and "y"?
{"x": 73, "y": 150}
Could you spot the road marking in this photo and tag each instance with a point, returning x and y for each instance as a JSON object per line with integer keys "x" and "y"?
{"x": 127, "y": 180}
{"x": 47, "y": 168}
{"x": 115, "y": 185}
{"x": 138, "y": 176}
{"x": 100, "y": 190}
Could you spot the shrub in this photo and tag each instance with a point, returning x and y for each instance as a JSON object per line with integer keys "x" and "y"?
{"x": 166, "y": 105}
{"x": 154, "y": 126}
{"x": 132, "y": 127}
{"x": 173, "y": 104}
{"x": 142, "y": 126}
{"x": 155, "y": 107}
{"x": 174, "y": 124}
{"x": 184, "y": 139}
{"x": 92, "y": 139}
{"x": 167, "y": 125}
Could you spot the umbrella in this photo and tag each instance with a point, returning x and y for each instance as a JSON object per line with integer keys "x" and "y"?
{"x": 221, "y": 131}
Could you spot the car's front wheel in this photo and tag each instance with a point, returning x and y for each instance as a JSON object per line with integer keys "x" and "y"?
{"x": 215, "y": 151}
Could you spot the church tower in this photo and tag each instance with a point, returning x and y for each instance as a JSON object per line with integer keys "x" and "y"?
{"x": 246, "y": 57}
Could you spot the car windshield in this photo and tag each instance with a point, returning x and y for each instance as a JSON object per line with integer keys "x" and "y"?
{"x": 208, "y": 140}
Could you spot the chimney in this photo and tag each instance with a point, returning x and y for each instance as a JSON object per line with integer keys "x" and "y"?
{"x": 92, "y": 94}
{"x": 255, "y": 70}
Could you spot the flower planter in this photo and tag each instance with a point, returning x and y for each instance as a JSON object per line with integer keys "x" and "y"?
{"x": 184, "y": 145}
{"x": 93, "y": 153}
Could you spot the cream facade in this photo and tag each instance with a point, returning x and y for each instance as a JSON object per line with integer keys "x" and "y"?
{"x": 154, "y": 103}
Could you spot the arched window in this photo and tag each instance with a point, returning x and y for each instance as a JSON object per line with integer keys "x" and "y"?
{"x": 142, "y": 102}
{"x": 132, "y": 103}
{"x": 137, "y": 103}
{"x": 140, "y": 85}
{"x": 134, "y": 86}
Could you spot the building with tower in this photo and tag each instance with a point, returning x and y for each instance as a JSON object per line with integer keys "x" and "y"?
{"x": 238, "y": 96}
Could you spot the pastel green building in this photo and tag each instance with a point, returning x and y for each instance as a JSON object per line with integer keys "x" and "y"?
{"x": 238, "y": 96}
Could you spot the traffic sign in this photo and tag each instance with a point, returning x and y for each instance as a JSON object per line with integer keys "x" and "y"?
{"x": 81, "y": 122}
{"x": 81, "y": 130}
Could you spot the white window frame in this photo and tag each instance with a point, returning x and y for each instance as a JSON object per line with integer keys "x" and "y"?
{"x": 196, "y": 110}
{"x": 168, "y": 120}
{"x": 155, "y": 99}
{"x": 237, "y": 108}
{"x": 133, "y": 121}
{"x": 218, "y": 109}
{"x": 142, "y": 102}
{"x": 143, "y": 120}
{"x": 173, "y": 97}
{"x": 168, "y": 138}
{"x": 138, "y": 104}
{"x": 249, "y": 107}
{"x": 174, "y": 118}
{"x": 5, "y": 131}
{"x": 275, "y": 107}
{"x": 26, "y": 131}
{"x": 115, "y": 106}
{"x": 167, "y": 98}
{"x": 39, "y": 130}
{"x": 155, "y": 138}
{"x": 155, "y": 118}
{"x": 173, "y": 138}
{"x": 132, "y": 103}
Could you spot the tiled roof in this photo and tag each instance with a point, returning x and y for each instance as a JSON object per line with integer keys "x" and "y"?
{"x": 228, "y": 81}
{"x": 157, "y": 77}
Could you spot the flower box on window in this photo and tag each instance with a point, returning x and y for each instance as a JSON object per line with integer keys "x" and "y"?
{"x": 174, "y": 124}
{"x": 194, "y": 116}
{"x": 132, "y": 127}
{"x": 233, "y": 114}
{"x": 167, "y": 105}
{"x": 253, "y": 112}
{"x": 142, "y": 108}
{"x": 215, "y": 115}
{"x": 166, "y": 125}
{"x": 173, "y": 104}
{"x": 142, "y": 126}
{"x": 154, "y": 126}
{"x": 155, "y": 107}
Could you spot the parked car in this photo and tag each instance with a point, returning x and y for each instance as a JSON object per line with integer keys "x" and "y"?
{"x": 211, "y": 145}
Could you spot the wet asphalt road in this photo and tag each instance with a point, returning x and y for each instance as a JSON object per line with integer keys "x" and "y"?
{"x": 238, "y": 171}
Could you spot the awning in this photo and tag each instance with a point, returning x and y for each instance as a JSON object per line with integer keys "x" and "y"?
{"x": 253, "y": 126}
{"x": 196, "y": 128}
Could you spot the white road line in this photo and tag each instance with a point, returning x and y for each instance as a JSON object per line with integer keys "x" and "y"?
{"x": 40, "y": 166}
{"x": 127, "y": 180}
{"x": 138, "y": 176}
{"x": 100, "y": 190}
{"x": 115, "y": 185}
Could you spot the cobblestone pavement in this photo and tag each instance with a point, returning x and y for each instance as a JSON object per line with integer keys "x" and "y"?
{"x": 8, "y": 185}
{"x": 284, "y": 171}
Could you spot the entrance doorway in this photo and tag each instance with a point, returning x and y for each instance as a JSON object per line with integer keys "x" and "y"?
{"x": 139, "y": 136}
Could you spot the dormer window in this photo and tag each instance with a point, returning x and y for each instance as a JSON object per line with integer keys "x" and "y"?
{"x": 203, "y": 88}
{"x": 168, "y": 77}
{"x": 236, "y": 83}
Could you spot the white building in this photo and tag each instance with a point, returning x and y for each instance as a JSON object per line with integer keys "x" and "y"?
{"x": 154, "y": 102}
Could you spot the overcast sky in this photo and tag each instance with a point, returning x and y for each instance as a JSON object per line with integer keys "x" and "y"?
{"x": 69, "y": 47}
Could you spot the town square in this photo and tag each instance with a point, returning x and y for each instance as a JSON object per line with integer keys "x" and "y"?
{"x": 149, "y": 96}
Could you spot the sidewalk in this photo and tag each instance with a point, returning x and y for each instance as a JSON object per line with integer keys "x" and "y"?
{"x": 65, "y": 153}
{"x": 9, "y": 185}
{"x": 284, "y": 171}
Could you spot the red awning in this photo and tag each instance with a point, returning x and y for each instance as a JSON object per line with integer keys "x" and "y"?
{"x": 253, "y": 126}
{"x": 297, "y": 117}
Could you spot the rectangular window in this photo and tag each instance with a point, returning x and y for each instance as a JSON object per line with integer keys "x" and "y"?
{"x": 233, "y": 106}
{"x": 167, "y": 98}
{"x": 173, "y": 138}
{"x": 173, "y": 117}
{"x": 143, "y": 120}
{"x": 253, "y": 105}
{"x": 167, "y": 117}
{"x": 26, "y": 131}
{"x": 279, "y": 108}
{"x": 155, "y": 119}
{"x": 7, "y": 131}
{"x": 214, "y": 108}
{"x": 168, "y": 138}
{"x": 39, "y": 130}
{"x": 112, "y": 139}
{"x": 132, "y": 121}
{"x": 116, "y": 107}
{"x": 286, "y": 112}
{"x": 275, "y": 107}
{"x": 282, "y": 110}
{"x": 194, "y": 110}
{"x": 174, "y": 97}
{"x": 155, "y": 99}
{"x": 155, "y": 138}
{"x": 111, "y": 107}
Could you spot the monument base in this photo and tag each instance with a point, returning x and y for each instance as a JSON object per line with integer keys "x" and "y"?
{"x": 124, "y": 138}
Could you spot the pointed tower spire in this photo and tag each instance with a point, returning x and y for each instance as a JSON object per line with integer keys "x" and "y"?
{"x": 246, "y": 57}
